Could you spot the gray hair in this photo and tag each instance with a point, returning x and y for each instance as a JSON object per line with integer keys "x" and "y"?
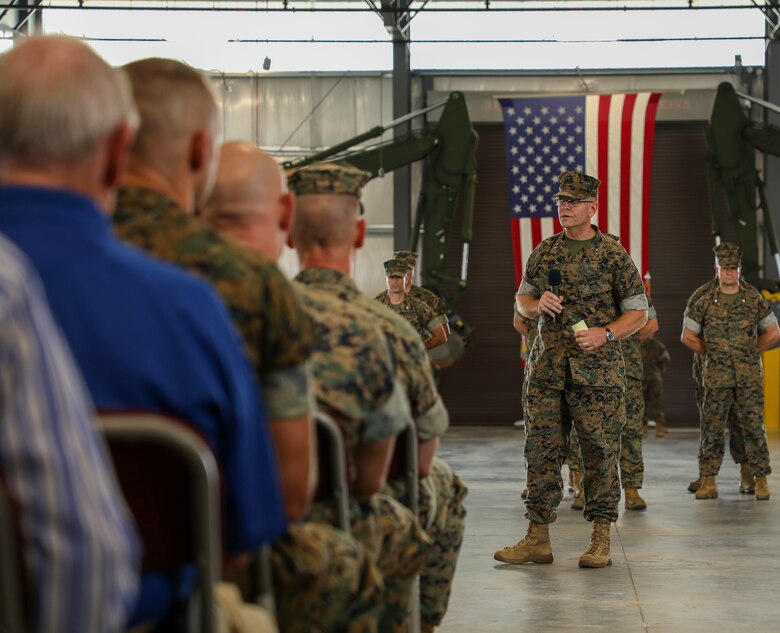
{"x": 58, "y": 100}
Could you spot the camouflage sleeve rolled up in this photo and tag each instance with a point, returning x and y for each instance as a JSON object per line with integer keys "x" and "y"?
{"x": 427, "y": 316}
{"x": 531, "y": 284}
{"x": 288, "y": 392}
{"x": 353, "y": 376}
{"x": 628, "y": 288}
{"x": 766, "y": 318}
{"x": 693, "y": 315}
{"x": 695, "y": 310}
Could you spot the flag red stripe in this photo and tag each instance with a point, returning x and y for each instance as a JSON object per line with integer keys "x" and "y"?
{"x": 536, "y": 234}
{"x": 515, "y": 227}
{"x": 625, "y": 170}
{"x": 603, "y": 160}
{"x": 652, "y": 108}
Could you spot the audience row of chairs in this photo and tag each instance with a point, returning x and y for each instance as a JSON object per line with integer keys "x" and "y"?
{"x": 171, "y": 482}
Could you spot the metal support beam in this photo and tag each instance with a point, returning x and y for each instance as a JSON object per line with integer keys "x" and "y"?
{"x": 402, "y": 178}
{"x": 397, "y": 17}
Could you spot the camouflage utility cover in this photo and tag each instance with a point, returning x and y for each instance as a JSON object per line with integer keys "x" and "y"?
{"x": 277, "y": 332}
{"x": 326, "y": 178}
{"x": 576, "y": 185}
{"x": 730, "y": 333}
{"x": 353, "y": 377}
{"x": 728, "y": 255}
{"x": 599, "y": 283}
{"x": 410, "y": 357}
{"x": 394, "y": 268}
{"x": 407, "y": 257}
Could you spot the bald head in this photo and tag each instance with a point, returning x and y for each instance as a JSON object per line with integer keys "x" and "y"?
{"x": 59, "y": 102}
{"x": 250, "y": 200}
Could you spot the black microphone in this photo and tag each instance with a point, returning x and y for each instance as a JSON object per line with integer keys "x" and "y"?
{"x": 554, "y": 279}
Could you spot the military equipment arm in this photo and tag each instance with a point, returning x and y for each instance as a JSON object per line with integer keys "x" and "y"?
{"x": 449, "y": 175}
{"x": 732, "y": 139}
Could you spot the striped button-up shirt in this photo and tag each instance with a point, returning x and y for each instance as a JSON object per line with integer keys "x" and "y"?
{"x": 80, "y": 549}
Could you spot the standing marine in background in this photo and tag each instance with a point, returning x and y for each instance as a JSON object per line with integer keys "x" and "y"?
{"x": 422, "y": 317}
{"x": 730, "y": 325}
{"x": 736, "y": 439}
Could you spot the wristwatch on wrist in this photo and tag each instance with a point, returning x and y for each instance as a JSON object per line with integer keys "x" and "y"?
{"x": 610, "y": 335}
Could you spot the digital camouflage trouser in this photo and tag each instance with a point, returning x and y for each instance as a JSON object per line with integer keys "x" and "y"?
{"x": 736, "y": 441}
{"x": 653, "y": 391}
{"x": 323, "y": 581}
{"x": 598, "y": 415}
{"x": 442, "y": 516}
{"x": 393, "y": 540}
{"x": 632, "y": 466}
{"x": 749, "y": 405}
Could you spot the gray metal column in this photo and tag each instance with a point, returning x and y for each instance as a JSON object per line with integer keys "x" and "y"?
{"x": 396, "y": 20}
{"x": 402, "y": 178}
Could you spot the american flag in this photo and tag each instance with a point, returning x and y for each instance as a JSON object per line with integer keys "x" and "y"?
{"x": 607, "y": 136}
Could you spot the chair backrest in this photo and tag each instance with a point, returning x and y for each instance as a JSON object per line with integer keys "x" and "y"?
{"x": 12, "y": 579}
{"x": 170, "y": 479}
{"x": 332, "y": 483}
{"x": 405, "y": 464}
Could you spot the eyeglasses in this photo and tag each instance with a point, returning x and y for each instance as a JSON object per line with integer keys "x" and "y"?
{"x": 561, "y": 202}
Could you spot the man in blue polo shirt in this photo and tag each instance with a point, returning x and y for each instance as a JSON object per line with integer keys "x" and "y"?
{"x": 145, "y": 335}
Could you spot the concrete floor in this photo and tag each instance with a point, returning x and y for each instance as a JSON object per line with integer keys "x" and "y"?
{"x": 682, "y": 565}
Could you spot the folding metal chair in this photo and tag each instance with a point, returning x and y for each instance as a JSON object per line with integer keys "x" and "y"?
{"x": 405, "y": 463}
{"x": 171, "y": 482}
{"x": 332, "y": 486}
{"x": 11, "y": 572}
{"x": 333, "y": 483}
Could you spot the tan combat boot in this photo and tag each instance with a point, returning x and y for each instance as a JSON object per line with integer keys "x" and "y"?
{"x": 597, "y": 555}
{"x": 746, "y": 481}
{"x": 534, "y": 548}
{"x": 426, "y": 627}
{"x": 661, "y": 430}
{"x": 633, "y": 500}
{"x": 708, "y": 489}
{"x": 578, "y": 502}
{"x": 694, "y": 485}
{"x": 762, "y": 489}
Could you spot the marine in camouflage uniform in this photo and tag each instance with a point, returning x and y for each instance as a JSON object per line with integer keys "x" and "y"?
{"x": 419, "y": 314}
{"x": 736, "y": 439}
{"x": 654, "y": 358}
{"x": 731, "y": 329}
{"x": 632, "y": 467}
{"x": 409, "y": 258}
{"x": 327, "y": 182}
{"x": 577, "y": 378}
{"x": 441, "y": 493}
{"x": 352, "y": 375}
